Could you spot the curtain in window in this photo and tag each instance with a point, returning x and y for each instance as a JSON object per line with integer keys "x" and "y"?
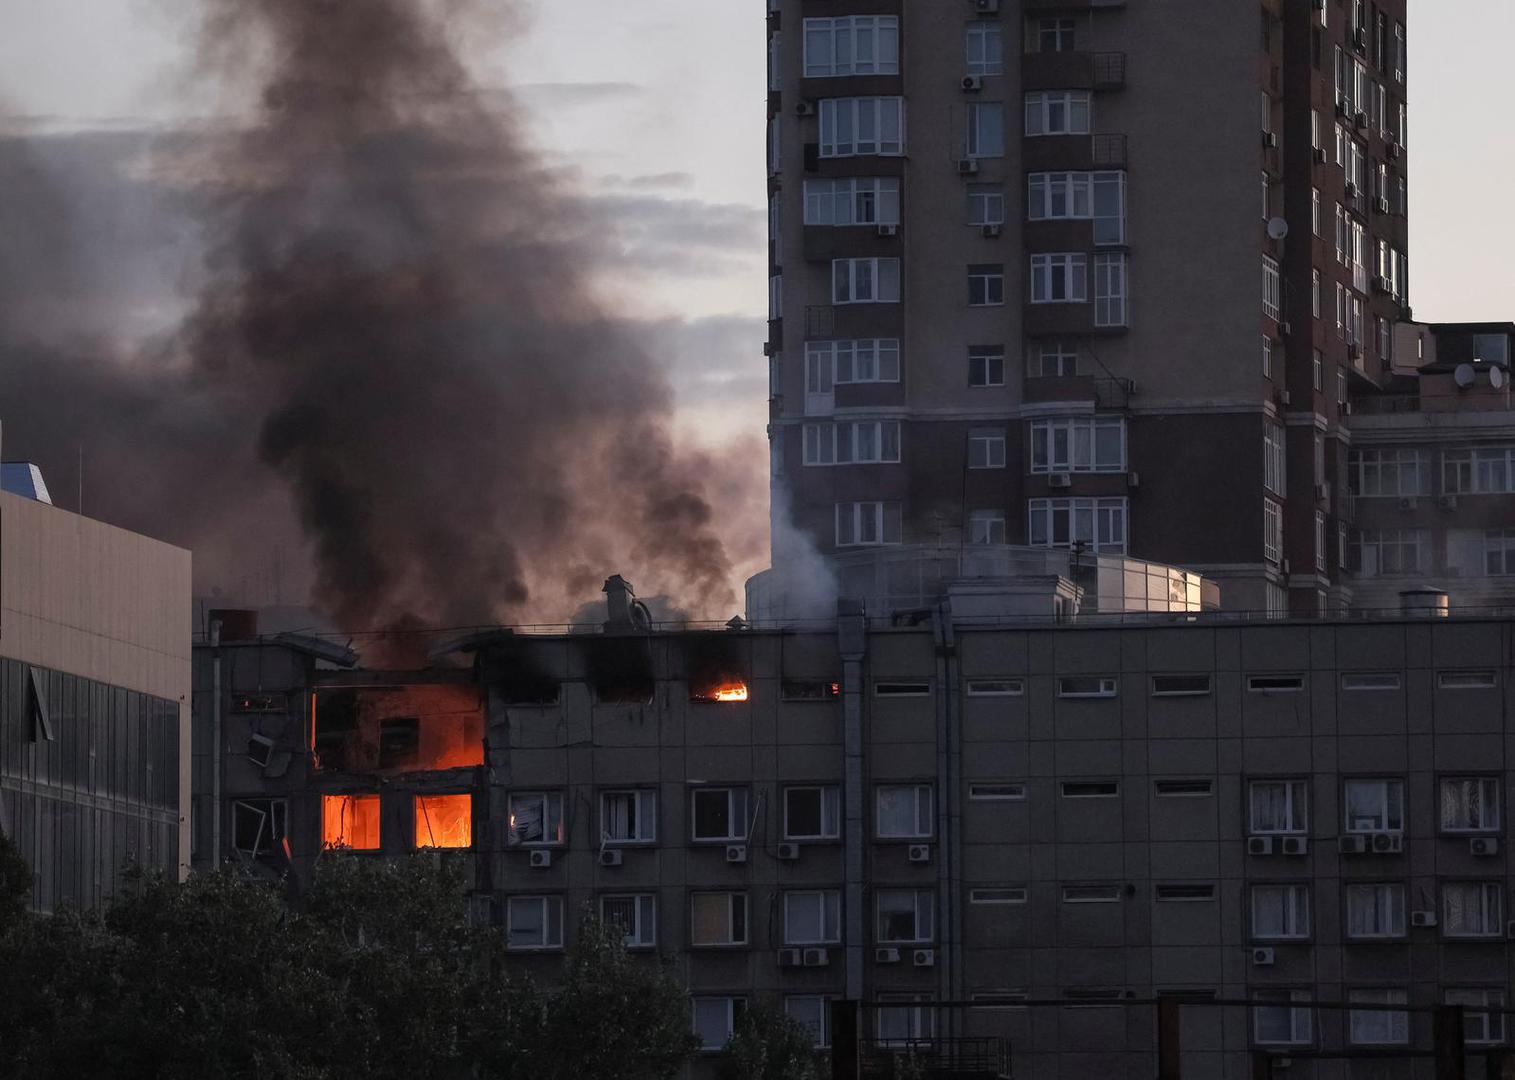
{"x": 1462, "y": 804}
{"x": 620, "y": 816}
{"x": 1268, "y": 913}
{"x": 526, "y": 821}
{"x": 711, "y": 919}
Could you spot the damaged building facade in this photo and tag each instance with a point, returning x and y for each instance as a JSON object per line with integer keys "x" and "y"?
{"x": 1006, "y": 837}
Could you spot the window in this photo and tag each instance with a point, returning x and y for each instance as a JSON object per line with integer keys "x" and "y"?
{"x": 1057, "y": 112}
{"x": 1388, "y": 473}
{"x": 812, "y": 917}
{"x": 997, "y": 792}
{"x": 1053, "y": 359}
{"x": 1465, "y": 680}
{"x": 1055, "y": 35}
{"x": 1277, "y": 1021}
{"x": 718, "y": 918}
{"x": 1087, "y": 686}
{"x": 901, "y": 689}
{"x": 996, "y": 688}
{"x": 986, "y": 365}
{"x": 1091, "y": 894}
{"x": 867, "y": 523}
{"x": 1315, "y": 221}
{"x": 444, "y": 821}
{"x": 986, "y": 49}
{"x": 1090, "y": 789}
{"x": 986, "y": 129}
{"x": 1377, "y": 1027}
{"x": 1079, "y": 444}
{"x": 1267, "y": 356}
{"x": 905, "y": 916}
{"x": 812, "y": 813}
{"x": 852, "y": 45}
{"x": 1273, "y": 531}
{"x": 809, "y": 690}
{"x": 1317, "y": 369}
{"x": 1183, "y": 893}
{"x": 867, "y": 125}
{"x": 1491, "y": 348}
{"x": 1485, "y": 471}
{"x": 861, "y": 442}
{"x": 858, "y": 200}
{"x": 775, "y": 145}
{"x": 1399, "y": 52}
{"x": 350, "y": 821}
{"x": 1374, "y": 806}
{"x": 719, "y": 814}
{"x": 1271, "y": 304}
{"x": 775, "y": 62}
{"x": 628, "y": 817}
{"x": 1180, "y": 685}
{"x": 1109, "y": 289}
{"x": 865, "y": 281}
{"x": 1376, "y": 910}
{"x": 1369, "y": 681}
{"x": 1278, "y": 806}
{"x": 716, "y": 1020}
{"x": 986, "y": 285}
{"x": 259, "y": 826}
{"x": 986, "y": 204}
{"x": 636, "y": 915}
{"x": 1320, "y": 542}
{"x": 775, "y": 297}
{"x": 1059, "y": 279}
{"x": 1060, "y": 196}
{"x": 1470, "y": 804}
{"x": 1479, "y": 1027}
{"x": 1097, "y": 525}
{"x": 1472, "y": 909}
{"x": 1387, "y": 552}
{"x": 1315, "y": 294}
{"x": 1183, "y": 789}
{"x": 536, "y": 817}
{"x": 863, "y": 360}
{"x": 903, "y": 812}
{"x": 534, "y": 922}
{"x": 902, "y": 1024}
{"x": 813, "y": 1012}
{"x": 1013, "y": 895}
{"x": 986, "y": 527}
{"x": 1275, "y": 471}
{"x": 986, "y": 449}
{"x": 1280, "y": 912}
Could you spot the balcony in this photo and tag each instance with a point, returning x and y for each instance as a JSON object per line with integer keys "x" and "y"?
{"x": 986, "y": 1058}
{"x": 1055, "y": 153}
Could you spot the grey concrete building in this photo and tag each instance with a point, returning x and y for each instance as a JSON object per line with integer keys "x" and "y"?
{"x": 94, "y": 690}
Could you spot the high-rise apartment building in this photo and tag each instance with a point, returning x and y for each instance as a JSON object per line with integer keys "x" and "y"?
{"x": 1087, "y": 272}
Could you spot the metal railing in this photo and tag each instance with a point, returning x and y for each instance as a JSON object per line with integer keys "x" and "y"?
{"x": 962, "y": 1056}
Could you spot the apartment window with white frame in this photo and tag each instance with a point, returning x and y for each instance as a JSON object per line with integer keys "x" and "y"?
{"x": 1053, "y": 35}
{"x": 1375, "y": 910}
{"x": 1469, "y": 804}
{"x": 715, "y": 1020}
{"x": 986, "y": 285}
{"x": 1109, "y": 289}
{"x": 986, "y": 204}
{"x": 856, "y": 200}
{"x": 718, "y": 814}
{"x": 775, "y": 297}
{"x": 1072, "y": 196}
{"x": 855, "y": 442}
{"x": 851, "y": 127}
{"x": 1053, "y": 359}
{"x": 1315, "y": 294}
{"x": 1388, "y": 552}
{"x": 861, "y": 524}
{"x": 813, "y": 813}
{"x": 1278, "y": 1021}
{"x": 986, "y": 129}
{"x": 865, "y": 281}
{"x": 1080, "y": 444}
{"x": 1273, "y": 531}
{"x": 1272, "y": 306}
{"x": 1097, "y": 524}
{"x": 1060, "y": 278}
{"x": 1057, "y": 112}
{"x": 1275, "y": 471}
{"x": 635, "y": 914}
{"x": 860, "y": 360}
{"x": 852, "y": 45}
{"x": 1320, "y": 542}
{"x": 986, "y": 449}
{"x": 986, "y": 527}
{"x": 812, "y": 917}
{"x": 986, "y": 49}
{"x": 905, "y": 916}
{"x": 1377, "y": 1027}
{"x": 629, "y": 817}
{"x": 813, "y": 1013}
{"x": 1267, "y": 356}
{"x": 533, "y": 923}
{"x": 908, "y": 1019}
{"x": 1278, "y": 807}
{"x": 1488, "y": 470}
{"x": 1482, "y": 1017}
{"x": 536, "y": 819}
{"x": 1388, "y": 473}
{"x": 775, "y": 146}
{"x": 717, "y": 918}
{"x": 1472, "y": 908}
{"x": 986, "y": 365}
{"x": 1280, "y": 912}
{"x": 903, "y": 811}
{"x": 1374, "y": 806}
{"x": 1315, "y": 213}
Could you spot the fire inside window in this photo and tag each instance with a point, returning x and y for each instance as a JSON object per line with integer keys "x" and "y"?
{"x": 444, "y": 821}
{"x": 350, "y": 821}
{"x": 722, "y": 689}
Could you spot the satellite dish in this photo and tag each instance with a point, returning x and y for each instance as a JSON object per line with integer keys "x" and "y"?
{"x": 1464, "y": 376}
{"x": 1496, "y": 377}
{"x": 1278, "y": 228}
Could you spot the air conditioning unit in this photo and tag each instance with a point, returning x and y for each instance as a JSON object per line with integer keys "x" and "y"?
{"x": 789, "y": 852}
{"x": 986, "y": 7}
{"x": 1341, "y": 106}
{"x": 920, "y": 852}
{"x": 540, "y": 859}
{"x": 1059, "y": 480}
{"x": 1388, "y": 843}
{"x": 1395, "y": 150}
{"x": 973, "y": 82}
{"x": 992, "y": 232}
{"x": 804, "y": 108}
{"x": 1381, "y": 205}
{"x": 1380, "y": 284}
{"x": 816, "y": 957}
{"x": 1483, "y": 845}
{"x": 1322, "y": 492}
{"x": 1361, "y": 120}
{"x": 1319, "y": 154}
{"x": 1422, "y": 918}
{"x": 1270, "y": 139}
{"x": 1447, "y": 502}
{"x": 1352, "y": 845}
{"x": 1284, "y": 397}
{"x": 610, "y": 857}
{"x": 1133, "y": 479}
{"x": 1263, "y": 956}
{"x": 1408, "y": 502}
{"x": 1295, "y": 845}
{"x": 886, "y": 956}
{"x": 967, "y": 167}
{"x": 1259, "y": 845}
{"x": 924, "y": 958}
{"x": 790, "y": 958}
{"x": 1351, "y": 190}
{"x": 736, "y": 853}
{"x": 888, "y": 230}
{"x": 1344, "y": 408}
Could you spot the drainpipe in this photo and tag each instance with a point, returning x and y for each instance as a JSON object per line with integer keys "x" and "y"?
{"x": 949, "y": 975}
{"x": 852, "y": 643}
{"x": 215, "y": 745}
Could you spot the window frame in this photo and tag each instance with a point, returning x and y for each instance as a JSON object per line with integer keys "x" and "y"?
{"x": 738, "y": 910}
{"x": 830, "y": 916}
{"x": 1296, "y": 918}
{"x": 1351, "y": 888}
{"x": 924, "y": 796}
{"x": 1296, "y": 805}
{"x": 645, "y": 906}
{"x": 923, "y": 914}
{"x": 646, "y": 806}
{"x": 735, "y": 1007}
{"x": 1487, "y": 889}
{"x": 882, "y": 31}
{"x": 733, "y": 794}
{"x": 829, "y": 803}
{"x": 1388, "y": 784}
{"x": 1487, "y": 783}
{"x": 548, "y": 797}
{"x": 546, "y": 900}
{"x": 1042, "y": 109}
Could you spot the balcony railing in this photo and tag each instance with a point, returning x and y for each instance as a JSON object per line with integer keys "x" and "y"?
{"x": 1109, "y": 70}
{"x": 925, "y": 1058}
{"x": 1109, "y": 151}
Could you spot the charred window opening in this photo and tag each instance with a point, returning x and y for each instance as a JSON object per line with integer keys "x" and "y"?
{"x": 810, "y": 690}
{"x": 336, "y": 720}
{"x": 620, "y": 670}
{"x": 520, "y": 681}
{"x": 715, "y": 667}
{"x": 350, "y": 821}
{"x": 399, "y": 742}
{"x": 444, "y": 821}
{"x": 260, "y": 827}
{"x": 260, "y": 703}
{"x": 419, "y": 727}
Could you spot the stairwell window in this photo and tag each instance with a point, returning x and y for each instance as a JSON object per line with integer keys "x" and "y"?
{"x": 986, "y": 449}
{"x": 860, "y": 524}
{"x": 986, "y": 365}
{"x": 1083, "y": 444}
{"x": 986, "y": 129}
{"x": 1060, "y": 278}
{"x": 1098, "y": 524}
{"x": 1109, "y": 289}
{"x": 986, "y": 527}
{"x": 852, "y": 45}
{"x": 857, "y": 200}
{"x": 1272, "y": 306}
{"x": 865, "y": 281}
{"x": 986, "y": 285}
{"x": 865, "y": 125}
{"x": 1057, "y": 112}
{"x": 986, "y": 49}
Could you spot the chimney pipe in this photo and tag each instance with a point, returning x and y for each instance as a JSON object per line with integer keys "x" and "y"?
{"x": 625, "y": 611}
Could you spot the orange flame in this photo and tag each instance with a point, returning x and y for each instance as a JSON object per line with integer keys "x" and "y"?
{"x": 350, "y": 821}
{"x": 444, "y": 821}
{"x": 729, "y": 692}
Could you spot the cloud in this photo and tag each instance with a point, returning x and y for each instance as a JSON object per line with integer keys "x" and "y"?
{"x": 678, "y": 237}
{"x": 570, "y": 94}
{"x": 650, "y": 182}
